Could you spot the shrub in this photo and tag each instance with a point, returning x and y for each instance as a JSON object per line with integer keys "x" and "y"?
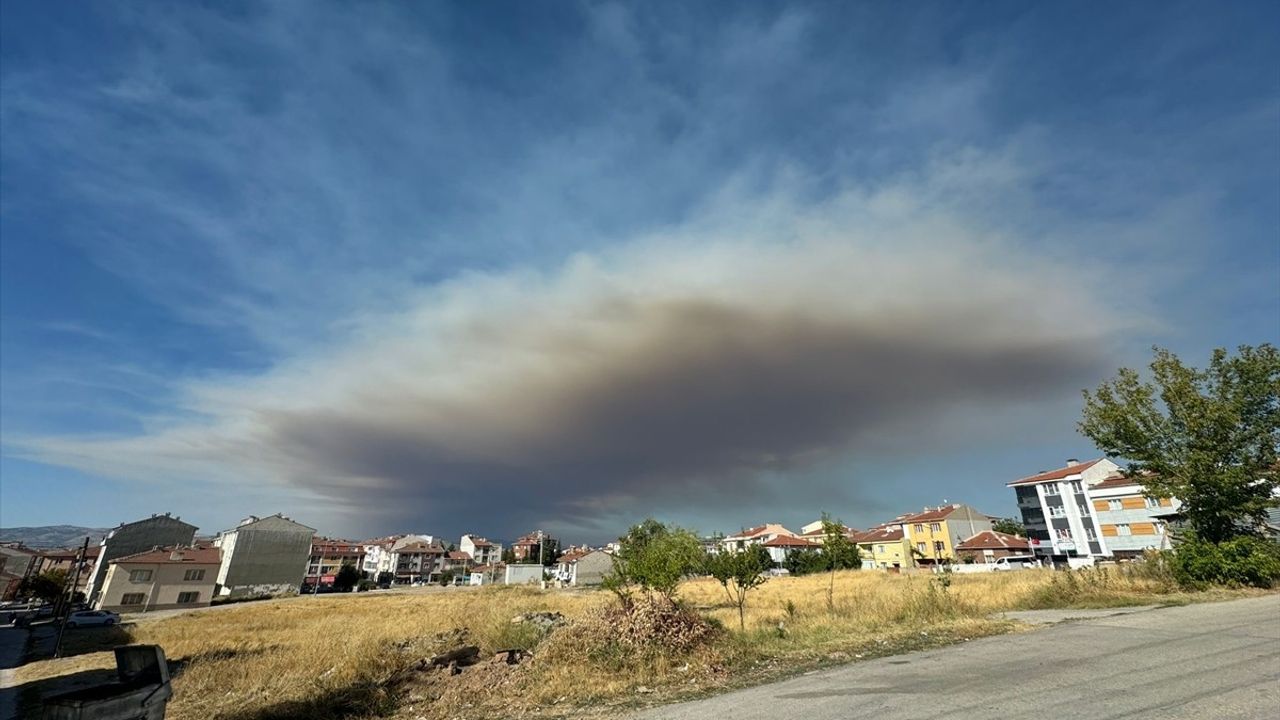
{"x": 654, "y": 557}
{"x": 1241, "y": 561}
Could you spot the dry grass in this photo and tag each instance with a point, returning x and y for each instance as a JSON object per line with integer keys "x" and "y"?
{"x": 352, "y": 656}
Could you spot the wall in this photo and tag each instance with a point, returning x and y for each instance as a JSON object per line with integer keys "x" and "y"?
{"x": 161, "y": 591}
{"x": 592, "y": 567}
{"x": 265, "y": 557}
{"x": 136, "y": 537}
{"x": 523, "y": 574}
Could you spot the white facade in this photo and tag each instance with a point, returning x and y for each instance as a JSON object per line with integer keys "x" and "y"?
{"x": 1058, "y": 511}
{"x": 482, "y": 551}
{"x": 523, "y": 574}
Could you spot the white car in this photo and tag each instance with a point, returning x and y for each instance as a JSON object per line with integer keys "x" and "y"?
{"x": 87, "y": 618}
{"x": 1016, "y": 562}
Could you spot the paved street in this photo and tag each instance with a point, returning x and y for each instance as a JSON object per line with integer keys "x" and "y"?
{"x": 1215, "y": 660}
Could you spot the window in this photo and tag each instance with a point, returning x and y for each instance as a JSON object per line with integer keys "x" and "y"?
{"x": 139, "y": 576}
{"x": 1064, "y": 534}
{"x": 1057, "y": 511}
{"x": 1051, "y": 489}
{"x": 1083, "y": 510}
{"x": 938, "y": 547}
{"x": 880, "y": 549}
{"x": 935, "y": 527}
{"x": 132, "y": 598}
{"x": 188, "y": 597}
{"x": 1114, "y": 505}
{"x": 920, "y": 547}
{"x": 1089, "y": 534}
{"x": 919, "y": 528}
{"x": 1075, "y": 487}
{"x": 1124, "y": 529}
{"x": 1152, "y": 502}
{"x": 193, "y": 575}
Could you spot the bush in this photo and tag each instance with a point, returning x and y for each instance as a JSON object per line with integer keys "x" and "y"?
{"x": 1241, "y": 561}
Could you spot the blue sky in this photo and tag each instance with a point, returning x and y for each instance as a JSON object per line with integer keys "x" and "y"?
{"x": 438, "y": 268}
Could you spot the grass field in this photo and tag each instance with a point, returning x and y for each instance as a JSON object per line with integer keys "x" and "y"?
{"x": 355, "y": 656}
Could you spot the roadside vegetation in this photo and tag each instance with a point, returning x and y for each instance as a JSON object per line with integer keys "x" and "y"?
{"x": 360, "y": 655}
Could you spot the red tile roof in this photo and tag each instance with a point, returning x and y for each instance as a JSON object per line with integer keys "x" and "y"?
{"x": 198, "y": 555}
{"x": 1056, "y": 474}
{"x": 880, "y": 534}
{"x": 927, "y": 515}
{"x": 1115, "y": 480}
{"x": 992, "y": 540}
{"x": 787, "y": 541}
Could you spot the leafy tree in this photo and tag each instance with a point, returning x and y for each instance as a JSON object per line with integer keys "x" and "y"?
{"x": 446, "y": 578}
{"x": 548, "y": 550}
{"x": 744, "y": 570}
{"x": 1010, "y": 527}
{"x": 806, "y": 562}
{"x": 1208, "y": 437}
{"x": 654, "y": 557}
{"x": 509, "y": 556}
{"x": 346, "y": 578}
{"x": 47, "y": 586}
{"x": 841, "y": 552}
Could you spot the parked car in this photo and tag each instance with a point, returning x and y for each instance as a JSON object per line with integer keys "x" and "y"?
{"x": 1016, "y": 562}
{"x": 87, "y": 618}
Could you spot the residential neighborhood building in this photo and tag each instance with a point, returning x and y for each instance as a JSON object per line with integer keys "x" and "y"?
{"x": 68, "y": 560}
{"x": 160, "y": 579}
{"x": 755, "y": 536}
{"x": 783, "y": 546}
{"x": 481, "y": 550}
{"x": 935, "y": 532}
{"x": 523, "y": 574}
{"x": 377, "y": 558}
{"x": 1056, "y": 510}
{"x": 990, "y": 545}
{"x": 527, "y": 547}
{"x": 584, "y": 567}
{"x": 263, "y": 556}
{"x": 16, "y": 564}
{"x": 885, "y": 548}
{"x": 417, "y": 562}
{"x": 327, "y": 557}
{"x": 1131, "y": 521}
{"x": 135, "y": 537}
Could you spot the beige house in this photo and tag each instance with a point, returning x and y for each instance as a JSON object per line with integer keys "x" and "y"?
{"x": 161, "y": 579}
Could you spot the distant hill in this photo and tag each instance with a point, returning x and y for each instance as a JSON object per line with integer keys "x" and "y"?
{"x": 50, "y": 536}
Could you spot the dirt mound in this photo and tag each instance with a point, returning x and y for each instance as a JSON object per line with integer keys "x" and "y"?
{"x": 644, "y": 628}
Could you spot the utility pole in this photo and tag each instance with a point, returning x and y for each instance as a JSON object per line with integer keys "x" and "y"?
{"x": 68, "y": 594}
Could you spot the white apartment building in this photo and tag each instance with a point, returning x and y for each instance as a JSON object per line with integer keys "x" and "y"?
{"x": 481, "y": 550}
{"x": 1058, "y": 512}
{"x": 1128, "y": 516}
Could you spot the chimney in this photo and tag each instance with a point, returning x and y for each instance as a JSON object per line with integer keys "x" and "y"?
{"x": 1072, "y": 462}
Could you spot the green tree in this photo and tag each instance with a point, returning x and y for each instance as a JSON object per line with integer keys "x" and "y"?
{"x": 806, "y": 562}
{"x": 655, "y": 558}
{"x": 509, "y": 556}
{"x": 346, "y": 578}
{"x": 1010, "y": 527}
{"x": 47, "y": 586}
{"x": 548, "y": 550}
{"x": 1208, "y": 437}
{"x": 841, "y": 553}
{"x": 744, "y": 570}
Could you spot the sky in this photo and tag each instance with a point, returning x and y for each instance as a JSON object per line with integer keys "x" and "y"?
{"x": 460, "y": 267}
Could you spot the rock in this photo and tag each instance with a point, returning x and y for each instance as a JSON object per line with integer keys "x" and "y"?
{"x": 465, "y": 655}
{"x": 644, "y": 690}
{"x": 544, "y": 620}
{"x": 512, "y": 656}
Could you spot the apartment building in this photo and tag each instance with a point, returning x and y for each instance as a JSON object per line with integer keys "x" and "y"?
{"x": 417, "y": 561}
{"x": 481, "y": 550}
{"x": 135, "y": 537}
{"x": 68, "y": 560}
{"x": 885, "y": 548}
{"x": 263, "y": 556}
{"x": 935, "y": 533}
{"x": 1058, "y": 513}
{"x": 1129, "y": 519}
{"x": 327, "y": 558}
{"x": 757, "y": 535}
{"x": 161, "y": 579}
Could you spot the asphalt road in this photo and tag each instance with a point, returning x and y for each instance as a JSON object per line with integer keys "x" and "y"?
{"x": 1214, "y": 660}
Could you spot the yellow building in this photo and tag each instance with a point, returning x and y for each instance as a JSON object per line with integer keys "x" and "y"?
{"x": 884, "y": 548}
{"x": 934, "y": 534}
